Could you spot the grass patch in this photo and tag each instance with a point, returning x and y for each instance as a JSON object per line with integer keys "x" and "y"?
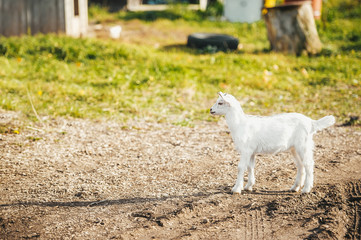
{"x": 90, "y": 78}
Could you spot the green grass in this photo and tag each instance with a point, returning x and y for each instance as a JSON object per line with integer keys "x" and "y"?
{"x": 90, "y": 78}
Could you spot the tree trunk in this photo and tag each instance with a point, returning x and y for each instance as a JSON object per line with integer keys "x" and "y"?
{"x": 292, "y": 29}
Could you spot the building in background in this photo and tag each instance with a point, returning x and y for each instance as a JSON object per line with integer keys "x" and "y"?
{"x": 19, "y": 17}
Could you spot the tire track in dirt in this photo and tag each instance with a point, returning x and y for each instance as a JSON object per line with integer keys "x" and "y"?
{"x": 357, "y": 223}
{"x": 355, "y": 197}
{"x": 254, "y": 226}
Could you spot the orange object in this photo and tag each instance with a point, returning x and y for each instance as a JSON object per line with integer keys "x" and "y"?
{"x": 269, "y": 3}
{"x": 292, "y": 1}
{"x": 317, "y": 8}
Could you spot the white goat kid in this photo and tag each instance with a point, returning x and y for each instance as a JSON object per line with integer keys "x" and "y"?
{"x": 254, "y": 134}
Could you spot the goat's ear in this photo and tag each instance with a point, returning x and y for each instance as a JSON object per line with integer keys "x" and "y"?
{"x": 221, "y": 95}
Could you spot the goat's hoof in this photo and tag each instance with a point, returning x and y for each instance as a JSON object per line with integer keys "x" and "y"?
{"x": 248, "y": 189}
{"x": 294, "y": 189}
{"x": 306, "y": 190}
{"x": 236, "y": 190}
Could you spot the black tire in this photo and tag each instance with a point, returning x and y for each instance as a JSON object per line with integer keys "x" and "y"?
{"x": 221, "y": 41}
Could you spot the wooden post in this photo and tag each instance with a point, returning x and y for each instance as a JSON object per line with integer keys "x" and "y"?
{"x": 291, "y": 29}
{"x": 12, "y": 17}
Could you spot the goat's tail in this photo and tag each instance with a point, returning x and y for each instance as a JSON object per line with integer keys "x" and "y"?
{"x": 322, "y": 123}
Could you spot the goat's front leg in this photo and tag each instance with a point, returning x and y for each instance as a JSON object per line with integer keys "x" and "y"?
{"x": 242, "y": 165}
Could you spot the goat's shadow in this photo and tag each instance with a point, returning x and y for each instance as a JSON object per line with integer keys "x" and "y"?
{"x": 263, "y": 192}
{"x": 107, "y": 202}
{"x": 223, "y": 190}
{"x": 268, "y": 192}
{"x": 226, "y": 189}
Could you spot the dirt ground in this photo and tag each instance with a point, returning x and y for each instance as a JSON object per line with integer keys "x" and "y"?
{"x": 82, "y": 179}
{"x": 136, "y": 32}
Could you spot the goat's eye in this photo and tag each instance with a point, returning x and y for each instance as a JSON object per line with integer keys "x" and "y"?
{"x": 220, "y": 103}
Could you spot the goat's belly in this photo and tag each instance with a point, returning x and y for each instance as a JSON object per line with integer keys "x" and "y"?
{"x": 272, "y": 150}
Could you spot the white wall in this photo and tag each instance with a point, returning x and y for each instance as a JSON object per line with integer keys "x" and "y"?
{"x": 243, "y": 10}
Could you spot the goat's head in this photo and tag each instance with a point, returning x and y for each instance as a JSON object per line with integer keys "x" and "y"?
{"x": 224, "y": 103}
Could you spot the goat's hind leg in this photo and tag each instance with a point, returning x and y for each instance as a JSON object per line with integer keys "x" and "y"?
{"x": 305, "y": 154}
{"x": 251, "y": 179}
{"x": 309, "y": 164}
{"x": 300, "y": 178}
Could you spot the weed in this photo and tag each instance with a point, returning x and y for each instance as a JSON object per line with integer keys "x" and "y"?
{"x": 98, "y": 78}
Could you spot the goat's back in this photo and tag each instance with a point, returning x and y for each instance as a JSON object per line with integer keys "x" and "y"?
{"x": 277, "y": 133}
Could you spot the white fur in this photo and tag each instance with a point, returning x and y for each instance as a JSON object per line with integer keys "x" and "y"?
{"x": 254, "y": 134}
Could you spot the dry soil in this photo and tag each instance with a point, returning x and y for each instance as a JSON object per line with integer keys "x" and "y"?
{"x": 82, "y": 179}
